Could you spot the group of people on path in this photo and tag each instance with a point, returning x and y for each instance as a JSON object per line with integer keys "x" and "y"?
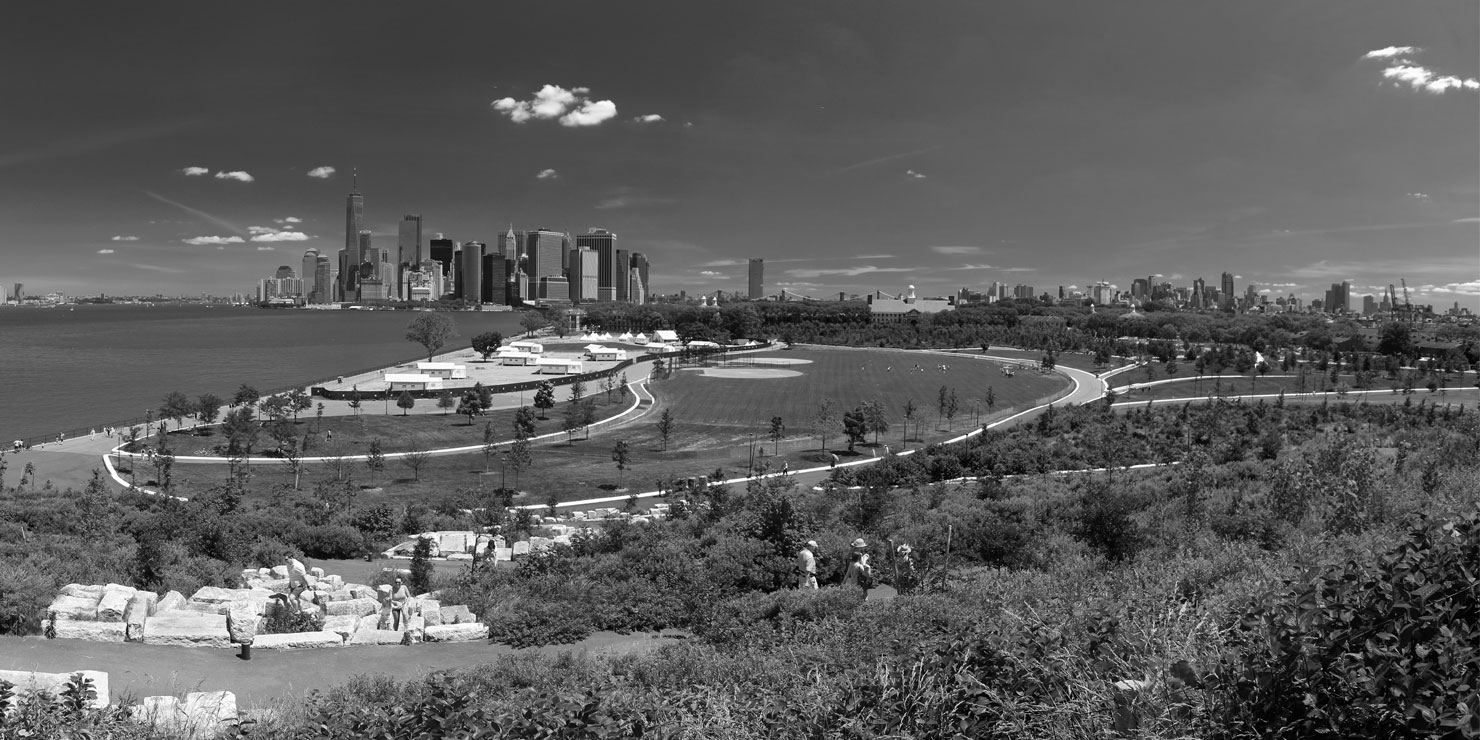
{"x": 859, "y": 572}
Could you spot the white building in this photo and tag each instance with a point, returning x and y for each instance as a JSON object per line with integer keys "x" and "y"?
{"x": 558, "y": 366}
{"x": 413, "y": 382}
{"x": 449, "y": 370}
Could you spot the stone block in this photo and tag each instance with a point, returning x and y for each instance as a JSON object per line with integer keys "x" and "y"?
{"x": 456, "y": 615}
{"x": 169, "y": 602}
{"x": 114, "y": 602}
{"x": 141, "y": 605}
{"x": 275, "y": 585}
{"x": 460, "y": 556}
{"x": 456, "y": 632}
{"x": 209, "y": 713}
{"x": 368, "y": 636}
{"x": 431, "y": 611}
{"x": 163, "y": 713}
{"x": 335, "y": 582}
{"x": 264, "y": 573}
{"x": 71, "y": 629}
{"x": 27, "y": 683}
{"x": 93, "y": 591}
{"x": 243, "y": 622}
{"x": 206, "y": 608}
{"x": 280, "y": 571}
{"x": 415, "y": 629}
{"x": 383, "y": 591}
{"x": 298, "y": 641}
{"x": 215, "y": 595}
{"x": 187, "y": 629}
{"x": 502, "y": 554}
{"x": 360, "y": 591}
{"x": 343, "y": 625}
{"x": 521, "y": 548}
{"x": 316, "y": 572}
{"x": 356, "y": 607}
{"x": 76, "y": 608}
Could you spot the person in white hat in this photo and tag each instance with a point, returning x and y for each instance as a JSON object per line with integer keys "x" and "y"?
{"x": 806, "y": 568}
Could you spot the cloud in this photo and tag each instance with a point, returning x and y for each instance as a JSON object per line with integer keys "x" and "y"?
{"x": 237, "y": 175}
{"x": 157, "y": 268}
{"x": 844, "y": 271}
{"x": 1470, "y": 288}
{"x": 1391, "y": 51}
{"x": 1419, "y": 196}
{"x": 723, "y": 263}
{"x": 710, "y": 273}
{"x": 271, "y": 235}
{"x": 649, "y": 118}
{"x": 217, "y": 220}
{"x": 875, "y": 257}
{"x": 266, "y": 249}
{"x": 1466, "y": 220}
{"x": 881, "y": 160}
{"x": 913, "y": 175}
{"x": 1402, "y": 70}
{"x": 194, "y": 171}
{"x": 976, "y": 267}
{"x": 631, "y": 199}
{"x": 125, "y": 238}
{"x": 956, "y": 250}
{"x": 1017, "y": 269}
{"x": 572, "y": 107}
{"x": 105, "y": 251}
{"x": 547, "y": 174}
{"x": 203, "y": 240}
{"x": 322, "y": 172}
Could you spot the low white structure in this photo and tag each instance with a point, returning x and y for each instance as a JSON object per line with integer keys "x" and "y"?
{"x": 559, "y": 366}
{"x": 413, "y": 382}
{"x": 702, "y": 343}
{"x": 448, "y": 370}
{"x": 605, "y": 354}
{"x": 665, "y": 335}
{"x": 640, "y": 339}
{"x": 534, "y": 348}
{"x": 518, "y": 358}
{"x": 659, "y": 348}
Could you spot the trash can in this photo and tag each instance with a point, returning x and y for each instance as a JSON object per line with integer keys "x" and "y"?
{"x": 246, "y": 653}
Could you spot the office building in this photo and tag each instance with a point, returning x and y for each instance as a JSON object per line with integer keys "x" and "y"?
{"x": 470, "y": 273}
{"x": 495, "y": 278}
{"x": 554, "y": 289}
{"x": 1369, "y": 305}
{"x": 354, "y": 217}
{"x": 640, "y": 263}
{"x": 624, "y": 263}
{"x": 408, "y": 242}
{"x": 511, "y": 243}
{"x": 608, "y": 272}
{"x": 1338, "y": 298}
{"x": 1225, "y": 287}
{"x": 635, "y": 292}
{"x": 543, "y": 254}
{"x": 583, "y": 269}
{"x": 757, "y": 279}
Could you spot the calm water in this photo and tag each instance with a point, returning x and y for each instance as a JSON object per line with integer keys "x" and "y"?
{"x": 62, "y": 369}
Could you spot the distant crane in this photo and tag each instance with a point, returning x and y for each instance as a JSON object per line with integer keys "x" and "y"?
{"x": 1407, "y": 305}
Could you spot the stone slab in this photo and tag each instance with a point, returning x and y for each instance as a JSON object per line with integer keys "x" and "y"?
{"x": 457, "y": 615}
{"x": 141, "y": 606}
{"x": 460, "y": 556}
{"x": 280, "y": 571}
{"x": 93, "y": 591}
{"x": 316, "y": 572}
{"x": 298, "y": 641}
{"x": 456, "y": 632}
{"x": 360, "y": 591}
{"x": 71, "y": 629}
{"x": 206, "y": 608}
{"x": 215, "y": 595}
{"x": 81, "y": 608}
{"x": 343, "y": 625}
{"x": 164, "y": 713}
{"x": 208, "y": 713}
{"x": 243, "y": 622}
{"x": 169, "y": 602}
{"x": 415, "y": 629}
{"x": 377, "y": 637}
{"x": 187, "y": 629}
{"x": 356, "y": 607}
{"x": 26, "y": 683}
{"x": 431, "y": 611}
{"x": 114, "y": 602}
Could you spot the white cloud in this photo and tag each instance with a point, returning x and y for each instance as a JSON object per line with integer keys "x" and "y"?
{"x": 875, "y": 257}
{"x": 723, "y": 263}
{"x": 260, "y": 229}
{"x": 1391, "y": 51}
{"x": 976, "y": 267}
{"x": 631, "y": 201}
{"x": 1419, "y": 196}
{"x": 572, "y": 107}
{"x": 844, "y": 272}
{"x": 105, "y": 251}
{"x": 710, "y": 273}
{"x": 237, "y": 175}
{"x": 649, "y": 118}
{"x": 293, "y": 220}
{"x": 913, "y": 175}
{"x": 270, "y": 235}
{"x": 323, "y": 172}
{"x": 547, "y": 174}
{"x": 125, "y": 238}
{"x": 956, "y": 250}
{"x": 266, "y": 249}
{"x": 201, "y": 240}
{"x": 1468, "y": 220}
{"x": 194, "y": 171}
{"x": 1470, "y": 288}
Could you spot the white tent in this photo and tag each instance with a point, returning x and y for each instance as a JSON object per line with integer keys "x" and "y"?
{"x": 640, "y": 339}
{"x": 625, "y": 337}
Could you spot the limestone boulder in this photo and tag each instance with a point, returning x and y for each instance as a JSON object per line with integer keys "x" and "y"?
{"x": 243, "y": 622}
{"x": 200, "y": 607}
{"x": 27, "y": 683}
{"x": 334, "y": 582}
{"x": 415, "y": 629}
{"x": 275, "y": 585}
{"x": 171, "y": 601}
{"x": 141, "y": 605}
{"x": 163, "y": 713}
{"x": 71, "y": 629}
{"x": 316, "y": 572}
{"x": 431, "y": 610}
{"x": 298, "y": 641}
{"x": 343, "y": 625}
{"x": 360, "y": 591}
{"x": 215, "y": 595}
{"x": 377, "y": 637}
{"x": 93, "y": 591}
{"x": 187, "y": 629}
{"x": 356, "y": 607}
{"x": 457, "y": 615}
{"x": 456, "y": 632}
{"x": 73, "y": 608}
{"x": 209, "y": 713}
{"x": 114, "y": 602}
{"x": 460, "y": 556}
{"x": 280, "y": 571}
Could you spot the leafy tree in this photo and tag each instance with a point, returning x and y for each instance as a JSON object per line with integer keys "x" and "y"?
{"x": 519, "y": 459}
{"x": 375, "y": 459}
{"x": 415, "y": 459}
{"x": 28, "y": 475}
{"x": 92, "y": 507}
{"x": 588, "y": 416}
{"x": 299, "y": 401}
{"x": 778, "y": 432}
{"x": 875, "y": 419}
{"x": 432, "y": 331}
{"x": 176, "y": 407}
{"x": 289, "y": 449}
{"x": 622, "y": 457}
{"x": 208, "y": 407}
{"x": 241, "y": 429}
{"x": 855, "y": 426}
{"x": 1395, "y": 340}
{"x": 490, "y": 445}
{"x": 665, "y": 426}
{"x": 485, "y": 395}
{"x": 572, "y": 421}
{"x": 544, "y": 398}
{"x": 825, "y": 421}
{"x": 246, "y": 395}
{"x": 609, "y": 384}
{"x": 942, "y": 398}
{"x": 470, "y": 406}
{"x": 912, "y": 415}
{"x": 276, "y": 407}
{"x": 1171, "y": 366}
{"x": 533, "y": 321}
{"x": 354, "y": 400}
{"x": 577, "y": 390}
{"x": 405, "y": 402}
{"x": 622, "y": 385}
{"x": 487, "y": 343}
{"x": 421, "y": 566}
{"x": 953, "y": 407}
{"x": 446, "y": 402}
{"x": 523, "y": 423}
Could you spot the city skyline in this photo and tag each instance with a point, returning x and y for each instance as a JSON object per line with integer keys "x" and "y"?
{"x": 943, "y": 145}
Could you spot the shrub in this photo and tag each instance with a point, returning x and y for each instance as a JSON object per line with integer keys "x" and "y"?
{"x": 537, "y": 622}
{"x": 332, "y": 542}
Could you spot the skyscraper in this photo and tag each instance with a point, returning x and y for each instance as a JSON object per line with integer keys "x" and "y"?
{"x": 310, "y": 274}
{"x": 640, "y": 263}
{"x": 470, "y": 272}
{"x": 323, "y": 280}
{"x": 408, "y": 243}
{"x": 354, "y": 216}
{"x": 583, "y": 267}
{"x": 1226, "y": 286}
{"x": 543, "y": 248}
{"x": 757, "y": 279}
{"x": 624, "y": 263}
{"x": 608, "y": 272}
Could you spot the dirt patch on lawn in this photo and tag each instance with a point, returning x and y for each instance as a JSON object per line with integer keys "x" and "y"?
{"x": 749, "y": 373}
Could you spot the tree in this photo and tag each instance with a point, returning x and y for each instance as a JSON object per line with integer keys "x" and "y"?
{"x": 208, "y": 407}
{"x": 415, "y": 459}
{"x": 665, "y": 426}
{"x": 953, "y": 407}
{"x": 375, "y": 459}
{"x": 544, "y": 398}
{"x": 991, "y": 398}
{"x": 778, "y": 432}
{"x": 288, "y": 448}
{"x": 911, "y": 413}
{"x": 1395, "y": 340}
{"x": 421, "y": 566}
{"x": 470, "y": 406}
{"x": 825, "y": 421}
{"x": 432, "y": 331}
{"x": 533, "y": 321}
{"x": 622, "y": 385}
{"x": 354, "y": 399}
{"x": 276, "y": 407}
{"x": 622, "y": 458}
{"x": 299, "y": 401}
{"x": 519, "y": 458}
{"x": 875, "y": 419}
{"x": 940, "y": 403}
{"x": 855, "y": 426}
{"x": 523, "y": 423}
{"x": 240, "y": 426}
{"x": 577, "y": 390}
{"x": 485, "y": 395}
{"x": 446, "y": 402}
{"x": 405, "y": 402}
{"x": 176, "y": 407}
{"x": 487, "y": 343}
{"x": 572, "y": 422}
{"x": 608, "y": 385}
{"x": 1171, "y": 367}
{"x": 246, "y": 395}
{"x": 588, "y": 416}
{"x": 28, "y": 475}
{"x": 490, "y": 445}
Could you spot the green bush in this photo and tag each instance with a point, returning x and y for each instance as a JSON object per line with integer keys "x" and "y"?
{"x": 332, "y": 542}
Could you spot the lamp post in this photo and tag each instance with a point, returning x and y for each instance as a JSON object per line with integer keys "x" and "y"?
{"x": 752, "y": 454}
{"x": 503, "y": 480}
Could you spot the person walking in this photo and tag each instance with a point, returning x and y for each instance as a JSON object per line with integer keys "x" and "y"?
{"x": 400, "y": 596}
{"x": 859, "y": 574}
{"x": 806, "y": 568}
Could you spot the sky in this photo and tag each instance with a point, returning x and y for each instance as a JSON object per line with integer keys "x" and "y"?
{"x": 185, "y": 147}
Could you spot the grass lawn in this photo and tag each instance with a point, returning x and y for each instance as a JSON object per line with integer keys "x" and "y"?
{"x": 1077, "y": 360}
{"x": 714, "y": 418}
{"x": 1230, "y": 385}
